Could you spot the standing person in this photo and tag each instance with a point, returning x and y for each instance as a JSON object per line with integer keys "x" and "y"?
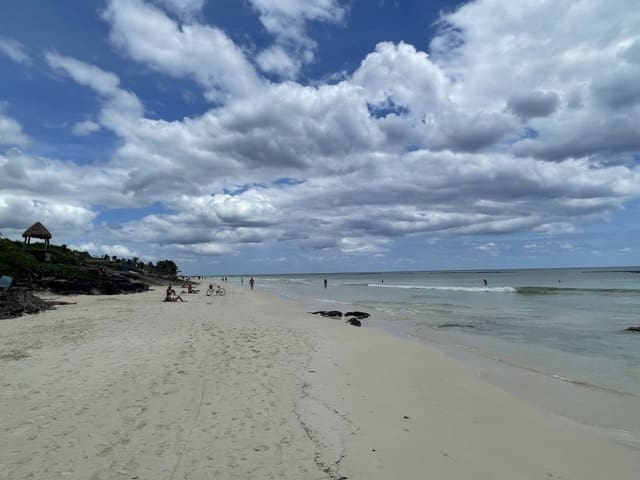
{"x": 251, "y": 282}
{"x": 484, "y": 280}
{"x": 325, "y": 283}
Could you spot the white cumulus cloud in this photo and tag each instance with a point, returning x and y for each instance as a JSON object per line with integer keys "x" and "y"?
{"x": 202, "y": 52}
{"x": 15, "y": 50}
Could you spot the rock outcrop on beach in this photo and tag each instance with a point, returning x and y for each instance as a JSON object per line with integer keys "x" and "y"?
{"x": 352, "y": 318}
{"x": 106, "y": 283}
{"x": 16, "y": 302}
{"x": 21, "y": 297}
{"x": 358, "y": 315}
{"x": 63, "y": 271}
{"x": 328, "y": 313}
{"x": 456, "y": 325}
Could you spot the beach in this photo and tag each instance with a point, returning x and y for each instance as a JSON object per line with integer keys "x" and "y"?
{"x": 251, "y": 386}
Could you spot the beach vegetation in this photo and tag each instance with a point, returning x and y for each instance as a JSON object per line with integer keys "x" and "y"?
{"x": 166, "y": 267}
{"x": 19, "y": 262}
{"x": 13, "y": 261}
{"x": 62, "y": 261}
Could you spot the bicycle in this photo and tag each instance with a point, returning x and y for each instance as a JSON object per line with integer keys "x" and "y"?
{"x": 218, "y": 290}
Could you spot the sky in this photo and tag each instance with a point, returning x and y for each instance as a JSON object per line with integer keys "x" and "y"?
{"x": 292, "y": 136}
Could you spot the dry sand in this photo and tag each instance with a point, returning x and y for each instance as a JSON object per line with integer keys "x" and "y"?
{"x": 249, "y": 386}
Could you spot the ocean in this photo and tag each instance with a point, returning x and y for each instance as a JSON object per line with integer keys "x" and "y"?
{"x": 555, "y": 336}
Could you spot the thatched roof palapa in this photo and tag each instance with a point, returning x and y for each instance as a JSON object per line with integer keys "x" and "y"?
{"x": 37, "y": 230}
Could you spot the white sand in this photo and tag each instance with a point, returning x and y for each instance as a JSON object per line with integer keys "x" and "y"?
{"x": 251, "y": 387}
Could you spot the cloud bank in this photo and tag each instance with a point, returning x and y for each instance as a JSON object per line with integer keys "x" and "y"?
{"x": 510, "y": 123}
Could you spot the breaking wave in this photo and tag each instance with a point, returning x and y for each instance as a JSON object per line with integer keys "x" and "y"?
{"x": 576, "y": 291}
{"x": 528, "y": 290}
{"x": 447, "y": 288}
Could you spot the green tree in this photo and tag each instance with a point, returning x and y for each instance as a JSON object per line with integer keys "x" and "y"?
{"x": 167, "y": 267}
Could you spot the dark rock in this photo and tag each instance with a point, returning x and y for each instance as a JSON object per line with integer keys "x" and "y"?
{"x": 355, "y": 322}
{"x": 456, "y": 325}
{"x": 360, "y": 315}
{"x": 16, "y": 302}
{"x": 19, "y": 299}
{"x": 328, "y": 313}
{"x": 101, "y": 285}
{"x": 632, "y": 329}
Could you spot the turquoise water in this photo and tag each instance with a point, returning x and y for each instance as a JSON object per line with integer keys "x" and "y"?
{"x": 563, "y": 323}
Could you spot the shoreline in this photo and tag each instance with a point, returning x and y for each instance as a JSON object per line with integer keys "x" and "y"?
{"x": 609, "y": 410}
{"x": 251, "y": 386}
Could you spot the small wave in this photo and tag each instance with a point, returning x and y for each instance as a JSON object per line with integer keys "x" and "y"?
{"x": 447, "y": 288}
{"x": 556, "y": 376}
{"x": 583, "y": 383}
{"x": 335, "y": 302}
{"x": 576, "y": 291}
{"x": 300, "y": 281}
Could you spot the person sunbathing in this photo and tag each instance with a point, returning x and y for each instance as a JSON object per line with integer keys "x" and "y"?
{"x": 190, "y": 289}
{"x": 172, "y": 296}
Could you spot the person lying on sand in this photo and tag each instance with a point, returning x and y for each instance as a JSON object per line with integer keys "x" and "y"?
{"x": 172, "y": 296}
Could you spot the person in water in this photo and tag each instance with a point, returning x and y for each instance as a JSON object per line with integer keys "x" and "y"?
{"x": 484, "y": 280}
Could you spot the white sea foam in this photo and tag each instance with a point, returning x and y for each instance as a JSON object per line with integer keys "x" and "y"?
{"x": 327, "y": 300}
{"x": 448, "y": 288}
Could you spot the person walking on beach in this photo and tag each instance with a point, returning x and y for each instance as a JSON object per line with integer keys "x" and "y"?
{"x": 251, "y": 282}
{"x": 325, "y": 283}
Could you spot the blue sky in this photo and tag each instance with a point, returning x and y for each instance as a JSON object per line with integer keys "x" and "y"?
{"x": 258, "y": 136}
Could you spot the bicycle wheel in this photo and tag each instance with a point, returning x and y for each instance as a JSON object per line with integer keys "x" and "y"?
{"x": 221, "y": 291}
{"x": 209, "y": 292}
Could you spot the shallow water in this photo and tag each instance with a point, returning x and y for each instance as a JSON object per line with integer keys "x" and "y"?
{"x": 561, "y": 324}
{"x": 564, "y": 322}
